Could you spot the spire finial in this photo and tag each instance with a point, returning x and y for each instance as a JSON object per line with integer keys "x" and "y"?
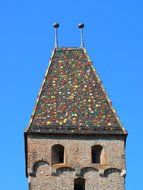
{"x": 81, "y": 26}
{"x": 56, "y": 26}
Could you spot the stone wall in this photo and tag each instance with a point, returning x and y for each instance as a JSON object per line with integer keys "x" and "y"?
{"x": 77, "y": 163}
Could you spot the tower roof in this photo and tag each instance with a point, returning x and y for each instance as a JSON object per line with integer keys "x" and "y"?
{"x": 72, "y": 99}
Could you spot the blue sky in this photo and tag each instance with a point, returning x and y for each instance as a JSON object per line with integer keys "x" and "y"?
{"x": 114, "y": 40}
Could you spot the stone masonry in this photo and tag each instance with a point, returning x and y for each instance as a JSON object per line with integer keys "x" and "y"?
{"x": 77, "y": 163}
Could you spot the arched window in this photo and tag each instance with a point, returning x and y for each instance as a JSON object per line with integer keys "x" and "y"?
{"x": 96, "y": 151}
{"x": 79, "y": 184}
{"x": 57, "y": 154}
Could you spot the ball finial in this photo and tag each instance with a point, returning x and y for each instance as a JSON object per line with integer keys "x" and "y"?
{"x": 56, "y": 25}
{"x": 81, "y": 25}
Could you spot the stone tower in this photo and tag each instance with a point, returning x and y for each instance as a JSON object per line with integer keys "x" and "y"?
{"x": 74, "y": 140}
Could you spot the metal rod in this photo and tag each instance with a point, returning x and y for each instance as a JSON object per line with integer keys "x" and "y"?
{"x": 56, "y": 26}
{"x": 81, "y": 26}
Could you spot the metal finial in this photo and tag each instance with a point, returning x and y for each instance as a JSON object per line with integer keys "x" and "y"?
{"x": 56, "y": 26}
{"x": 81, "y": 26}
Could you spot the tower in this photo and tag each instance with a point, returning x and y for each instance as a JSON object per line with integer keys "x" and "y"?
{"x": 74, "y": 140}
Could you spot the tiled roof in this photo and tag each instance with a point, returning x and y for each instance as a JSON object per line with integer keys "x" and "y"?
{"x": 72, "y": 98}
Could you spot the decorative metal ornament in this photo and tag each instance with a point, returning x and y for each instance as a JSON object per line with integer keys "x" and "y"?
{"x": 56, "y": 26}
{"x": 81, "y": 26}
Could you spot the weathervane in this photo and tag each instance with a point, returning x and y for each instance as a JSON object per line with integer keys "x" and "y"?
{"x": 81, "y": 26}
{"x": 56, "y": 26}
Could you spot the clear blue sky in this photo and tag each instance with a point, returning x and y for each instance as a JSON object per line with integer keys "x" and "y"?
{"x": 114, "y": 40}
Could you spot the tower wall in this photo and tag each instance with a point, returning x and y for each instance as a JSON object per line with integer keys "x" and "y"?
{"x": 77, "y": 163}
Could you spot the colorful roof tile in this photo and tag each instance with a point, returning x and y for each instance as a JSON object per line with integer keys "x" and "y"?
{"x": 72, "y": 98}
